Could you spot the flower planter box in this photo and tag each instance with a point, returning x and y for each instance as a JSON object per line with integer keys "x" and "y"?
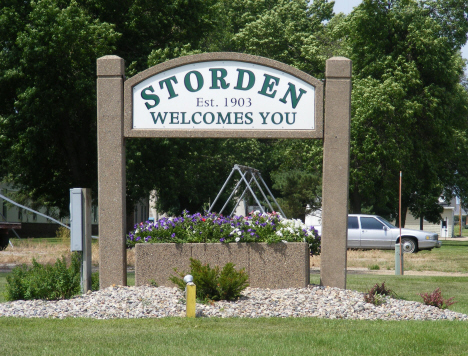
{"x": 276, "y": 266}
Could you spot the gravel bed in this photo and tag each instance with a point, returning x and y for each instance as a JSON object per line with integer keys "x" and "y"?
{"x": 152, "y": 302}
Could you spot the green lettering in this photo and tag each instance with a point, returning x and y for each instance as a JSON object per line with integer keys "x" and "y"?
{"x": 183, "y": 119}
{"x": 222, "y": 120}
{"x": 155, "y": 119}
{"x": 193, "y": 118}
{"x": 294, "y": 98}
{"x": 147, "y": 96}
{"x": 273, "y": 118}
{"x": 268, "y": 85}
{"x": 237, "y": 117}
{"x": 218, "y": 75}
{"x": 264, "y": 117}
{"x": 248, "y": 116}
{"x": 293, "y": 119}
{"x": 169, "y": 86}
{"x": 188, "y": 83}
{"x": 174, "y": 117}
{"x": 212, "y": 118}
{"x": 240, "y": 80}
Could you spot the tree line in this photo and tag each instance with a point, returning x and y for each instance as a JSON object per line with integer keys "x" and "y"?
{"x": 409, "y": 98}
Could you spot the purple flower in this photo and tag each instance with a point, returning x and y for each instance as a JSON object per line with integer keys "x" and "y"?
{"x": 173, "y": 235}
{"x": 222, "y": 239}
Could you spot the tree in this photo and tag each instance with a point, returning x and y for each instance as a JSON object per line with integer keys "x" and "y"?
{"x": 192, "y": 170}
{"x": 291, "y": 32}
{"x": 48, "y": 79}
{"x": 47, "y": 122}
{"x": 301, "y": 192}
{"x": 409, "y": 112}
{"x": 147, "y": 25}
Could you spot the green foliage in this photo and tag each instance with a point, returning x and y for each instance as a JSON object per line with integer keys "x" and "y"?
{"x": 213, "y": 284}
{"x": 298, "y": 190}
{"x": 408, "y": 107}
{"x": 48, "y": 88}
{"x": 48, "y": 52}
{"x": 49, "y": 282}
{"x": 191, "y": 171}
{"x": 95, "y": 281}
{"x": 435, "y": 299}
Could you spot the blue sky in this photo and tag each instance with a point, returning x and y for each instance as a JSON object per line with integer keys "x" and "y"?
{"x": 346, "y": 6}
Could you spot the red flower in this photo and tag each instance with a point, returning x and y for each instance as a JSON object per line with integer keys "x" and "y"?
{"x": 203, "y": 219}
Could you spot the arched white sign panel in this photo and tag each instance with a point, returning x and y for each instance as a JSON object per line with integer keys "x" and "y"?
{"x": 223, "y": 95}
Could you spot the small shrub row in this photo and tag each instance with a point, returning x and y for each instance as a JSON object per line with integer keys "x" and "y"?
{"x": 213, "y": 283}
{"x": 49, "y": 282}
{"x": 376, "y": 295}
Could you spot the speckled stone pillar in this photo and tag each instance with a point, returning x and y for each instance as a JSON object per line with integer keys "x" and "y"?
{"x": 336, "y": 172}
{"x": 111, "y": 171}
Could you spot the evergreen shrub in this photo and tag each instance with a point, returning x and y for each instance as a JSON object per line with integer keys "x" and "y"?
{"x": 213, "y": 283}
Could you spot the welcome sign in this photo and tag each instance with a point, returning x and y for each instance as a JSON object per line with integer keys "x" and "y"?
{"x": 222, "y": 95}
{"x": 229, "y": 97}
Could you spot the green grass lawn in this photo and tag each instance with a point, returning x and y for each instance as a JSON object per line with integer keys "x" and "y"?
{"x": 273, "y": 336}
{"x": 212, "y": 336}
{"x": 453, "y": 255}
{"x": 234, "y": 336}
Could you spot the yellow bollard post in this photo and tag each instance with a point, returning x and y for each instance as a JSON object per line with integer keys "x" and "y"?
{"x": 191, "y": 292}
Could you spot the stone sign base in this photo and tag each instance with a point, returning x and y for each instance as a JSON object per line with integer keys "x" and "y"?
{"x": 273, "y": 266}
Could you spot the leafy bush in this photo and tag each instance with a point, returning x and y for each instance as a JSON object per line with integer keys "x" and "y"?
{"x": 49, "y": 282}
{"x": 435, "y": 299}
{"x": 256, "y": 227}
{"x": 377, "y": 294}
{"x": 213, "y": 284}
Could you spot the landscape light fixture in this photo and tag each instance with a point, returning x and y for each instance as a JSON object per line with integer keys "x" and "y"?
{"x": 188, "y": 279}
